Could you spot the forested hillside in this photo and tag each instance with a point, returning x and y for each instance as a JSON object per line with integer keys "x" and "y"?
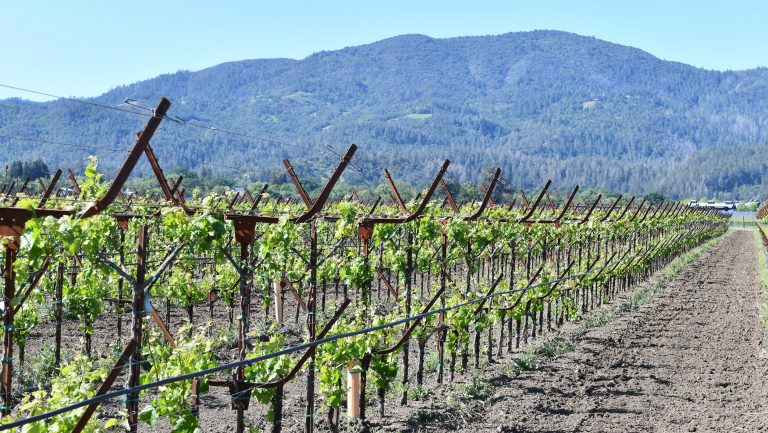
{"x": 538, "y": 104}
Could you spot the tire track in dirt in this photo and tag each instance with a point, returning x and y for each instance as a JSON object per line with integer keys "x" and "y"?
{"x": 691, "y": 360}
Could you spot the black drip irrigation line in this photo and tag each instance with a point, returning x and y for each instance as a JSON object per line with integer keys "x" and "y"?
{"x": 246, "y": 362}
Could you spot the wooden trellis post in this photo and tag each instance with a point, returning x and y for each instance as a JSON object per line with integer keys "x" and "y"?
{"x": 11, "y": 249}
{"x": 244, "y": 233}
{"x": 311, "y": 327}
{"x": 132, "y": 399}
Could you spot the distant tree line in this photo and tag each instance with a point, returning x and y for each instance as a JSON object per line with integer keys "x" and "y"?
{"x": 34, "y": 169}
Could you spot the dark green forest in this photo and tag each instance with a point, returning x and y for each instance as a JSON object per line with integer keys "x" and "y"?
{"x": 20, "y": 170}
{"x": 543, "y": 104}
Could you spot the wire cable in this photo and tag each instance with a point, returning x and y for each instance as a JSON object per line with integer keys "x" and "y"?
{"x": 79, "y": 101}
{"x": 178, "y": 120}
{"x": 58, "y": 143}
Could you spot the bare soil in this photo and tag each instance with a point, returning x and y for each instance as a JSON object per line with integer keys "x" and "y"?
{"x": 693, "y": 359}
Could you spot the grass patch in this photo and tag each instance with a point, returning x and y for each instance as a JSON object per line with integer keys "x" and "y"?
{"x": 431, "y": 361}
{"x": 642, "y": 298}
{"x": 424, "y": 416}
{"x": 420, "y": 392}
{"x": 476, "y": 389}
{"x": 538, "y": 354}
{"x": 599, "y": 318}
{"x": 525, "y": 362}
{"x": 553, "y": 348}
{"x": 38, "y": 369}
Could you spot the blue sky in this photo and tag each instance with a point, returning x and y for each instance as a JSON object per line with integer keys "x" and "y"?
{"x": 84, "y": 48}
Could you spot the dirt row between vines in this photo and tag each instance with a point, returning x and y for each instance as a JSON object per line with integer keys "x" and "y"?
{"x": 693, "y": 359}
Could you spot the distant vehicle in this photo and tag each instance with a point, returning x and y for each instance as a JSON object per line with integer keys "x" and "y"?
{"x": 726, "y": 205}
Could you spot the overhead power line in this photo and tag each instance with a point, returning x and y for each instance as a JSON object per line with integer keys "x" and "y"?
{"x": 58, "y": 143}
{"x": 180, "y": 121}
{"x": 79, "y": 101}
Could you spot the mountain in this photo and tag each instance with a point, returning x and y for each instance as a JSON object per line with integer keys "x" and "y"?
{"x": 538, "y": 104}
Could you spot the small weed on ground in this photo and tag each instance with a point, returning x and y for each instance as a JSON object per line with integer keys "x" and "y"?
{"x": 533, "y": 357}
{"x": 553, "y": 348}
{"x": 431, "y": 361}
{"x": 526, "y": 361}
{"x": 419, "y": 392}
{"x": 600, "y": 318}
{"x": 38, "y": 369}
{"x": 476, "y": 389}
